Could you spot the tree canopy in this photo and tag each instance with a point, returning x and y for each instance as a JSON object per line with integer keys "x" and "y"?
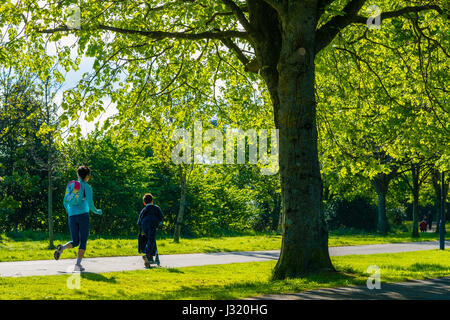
{"x": 259, "y": 62}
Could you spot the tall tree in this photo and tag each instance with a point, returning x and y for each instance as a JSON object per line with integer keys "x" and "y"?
{"x": 381, "y": 101}
{"x": 50, "y": 132}
{"x": 283, "y": 36}
{"x": 19, "y": 126}
{"x": 435, "y": 178}
{"x": 419, "y": 172}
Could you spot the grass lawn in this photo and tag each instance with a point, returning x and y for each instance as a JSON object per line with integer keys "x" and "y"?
{"x": 33, "y": 246}
{"x": 230, "y": 281}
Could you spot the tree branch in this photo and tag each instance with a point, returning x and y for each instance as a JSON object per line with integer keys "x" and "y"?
{"x": 396, "y": 13}
{"x": 249, "y": 65}
{"x": 239, "y": 14}
{"x": 216, "y": 14}
{"x": 159, "y": 35}
{"x": 321, "y": 7}
{"x": 276, "y": 4}
{"x": 328, "y": 31}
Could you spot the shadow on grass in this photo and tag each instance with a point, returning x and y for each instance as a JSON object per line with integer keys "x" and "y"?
{"x": 30, "y": 235}
{"x": 215, "y": 250}
{"x": 211, "y": 250}
{"x": 173, "y": 270}
{"x": 97, "y": 277}
{"x": 249, "y": 289}
{"x": 428, "y": 267}
{"x": 420, "y": 267}
{"x": 332, "y": 285}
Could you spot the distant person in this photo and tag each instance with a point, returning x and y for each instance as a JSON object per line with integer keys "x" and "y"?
{"x": 78, "y": 202}
{"x": 423, "y": 225}
{"x": 429, "y": 220}
{"x": 149, "y": 219}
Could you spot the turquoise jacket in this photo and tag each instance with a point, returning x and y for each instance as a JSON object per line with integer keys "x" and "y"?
{"x": 86, "y": 205}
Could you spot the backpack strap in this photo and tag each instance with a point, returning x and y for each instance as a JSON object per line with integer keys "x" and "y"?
{"x": 84, "y": 189}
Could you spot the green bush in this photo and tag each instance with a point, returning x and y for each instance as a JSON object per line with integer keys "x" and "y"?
{"x": 395, "y": 216}
{"x": 357, "y": 213}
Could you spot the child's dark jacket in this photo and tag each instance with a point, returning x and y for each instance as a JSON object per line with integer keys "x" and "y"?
{"x": 151, "y": 212}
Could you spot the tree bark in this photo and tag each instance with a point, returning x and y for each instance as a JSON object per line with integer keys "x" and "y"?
{"x": 50, "y": 172}
{"x": 437, "y": 194}
{"x": 50, "y": 210}
{"x": 415, "y": 191}
{"x": 276, "y": 213}
{"x": 435, "y": 180}
{"x": 304, "y": 246}
{"x": 381, "y": 184}
{"x": 176, "y": 234}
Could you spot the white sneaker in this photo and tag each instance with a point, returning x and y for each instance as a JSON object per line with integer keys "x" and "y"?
{"x": 78, "y": 267}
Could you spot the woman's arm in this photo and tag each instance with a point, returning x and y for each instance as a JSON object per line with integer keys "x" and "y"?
{"x": 89, "y": 196}
{"x": 66, "y": 205}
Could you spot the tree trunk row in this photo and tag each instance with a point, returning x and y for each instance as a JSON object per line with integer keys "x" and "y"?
{"x": 176, "y": 235}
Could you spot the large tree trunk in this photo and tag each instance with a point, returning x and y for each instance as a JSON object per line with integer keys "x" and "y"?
{"x": 415, "y": 192}
{"x": 381, "y": 184}
{"x": 176, "y": 234}
{"x": 305, "y": 238}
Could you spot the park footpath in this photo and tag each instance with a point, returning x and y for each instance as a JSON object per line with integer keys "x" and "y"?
{"x": 418, "y": 289}
{"x": 131, "y": 263}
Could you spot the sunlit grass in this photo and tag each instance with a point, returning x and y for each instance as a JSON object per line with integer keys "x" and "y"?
{"x": 231, "y": 281}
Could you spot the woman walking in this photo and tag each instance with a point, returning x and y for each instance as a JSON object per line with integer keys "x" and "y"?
{"x": 78, "y": 202}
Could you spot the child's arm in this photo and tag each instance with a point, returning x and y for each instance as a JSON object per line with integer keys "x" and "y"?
{"x": 139, "y": 219}
{"x": 160, "y": 215}
{"x": 141, "y": 214}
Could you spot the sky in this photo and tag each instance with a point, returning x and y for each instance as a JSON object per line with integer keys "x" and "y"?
{"x": 73, "y": 77}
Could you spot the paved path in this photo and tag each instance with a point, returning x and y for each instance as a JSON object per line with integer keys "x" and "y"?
{"x": 128, "y": 263}
{"x": 430, "y": 289}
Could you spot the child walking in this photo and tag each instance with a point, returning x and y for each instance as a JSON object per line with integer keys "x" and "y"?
{"x": 149, "y": 219}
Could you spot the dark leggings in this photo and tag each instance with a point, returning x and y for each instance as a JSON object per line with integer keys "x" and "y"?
{"x": 149, "y": 228}
{"x": 79, "y": 229}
